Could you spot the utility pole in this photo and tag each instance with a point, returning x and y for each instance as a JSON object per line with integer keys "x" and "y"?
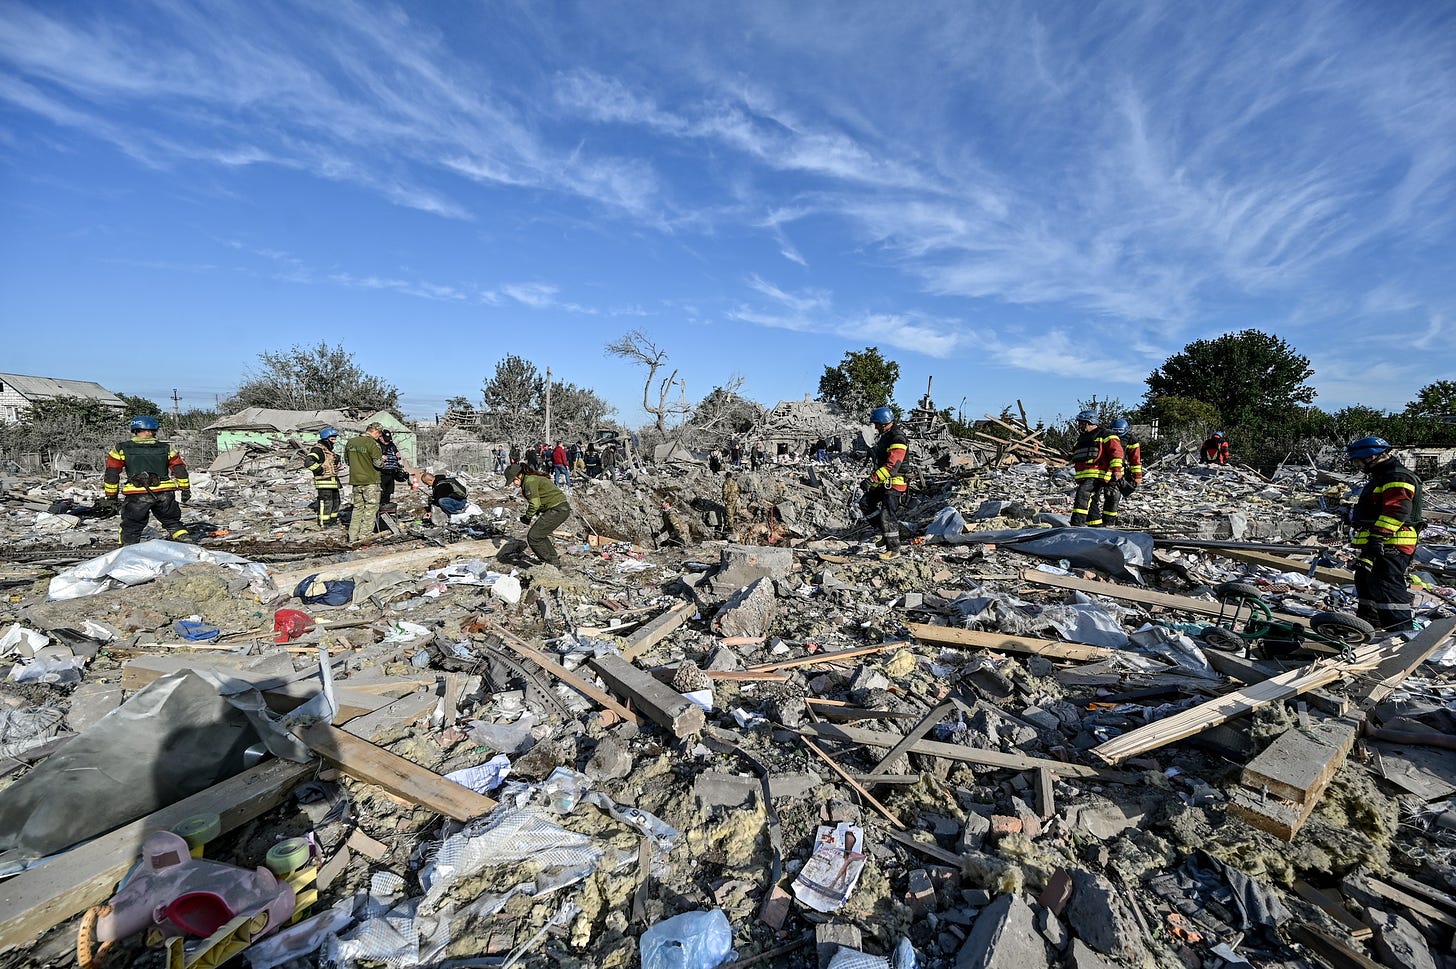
{"x": 548, "y": 405}
{"x": 176, "y": 410}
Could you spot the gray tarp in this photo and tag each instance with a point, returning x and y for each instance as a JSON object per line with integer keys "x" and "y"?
{"x": 172, "y": 739}
{"x": 1117, "y": 553}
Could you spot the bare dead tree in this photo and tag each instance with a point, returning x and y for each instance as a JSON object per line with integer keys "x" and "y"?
{"x": 635, "y": 346}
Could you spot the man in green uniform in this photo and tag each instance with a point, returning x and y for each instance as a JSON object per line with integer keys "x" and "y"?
{"x": 730, "y": 506}
{"x": 366, "y": 459}
{"x": 155, "y": 475}
{"x": 546, "y": 509}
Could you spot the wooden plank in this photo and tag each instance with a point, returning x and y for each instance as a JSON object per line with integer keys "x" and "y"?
{"x": 917, "y": 733}
{"x": 578, "y": 683}
{"x": 1001, "y": 642}
{"x": 656, "y": 701}
{"x": 1334, "y": 908}
{"x": 1283, "y": 819}
{"x": 1300, "y": 764}
{"x": 1046, "y": 798}
{"x": 827, "y": 657}
{"x": 1147, "y": 597}
{"x": 414, "y": 560}
{"x": 852, "y": 782}
{"x": 1418, "y": 905}
{"x": 1420, "y": 889}
{"x": 1163, "y": 732}
{"x": 657, "y": 630}
{"x": 1252, "y": 671}
{"x": 361, "y": 759}
{"x": 969, "y": 755}
{"x": 68, "y": 884}
{"x": 1374, "y": 687}
{"x": 1330, "y": 949}
{"x": 1283, "y": 564}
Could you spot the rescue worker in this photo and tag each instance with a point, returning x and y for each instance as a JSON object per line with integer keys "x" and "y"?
{"x": 1216, "y": 449}
{"x": 730, "y": 505}
{"x": 885, "y": 494}
{"x": 323, "y": 463}
{"x": 1097, "y": 468}
{"x": 591, "y": 460}
{"x": 366, "y": 463}
{"x": 1386, "y": 519}
{"x": 677, "y": 529}
{"x": 1132, "y": 470}
{"x": 155, "y": 477}
{"x": 448, "y": 496}
{"x": 546, "y": 509}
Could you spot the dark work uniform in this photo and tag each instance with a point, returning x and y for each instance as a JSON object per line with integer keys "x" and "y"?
{"x": 154, "y": 473}
{"x": 1097, "y": 454}
{"x": 544, "y": 498}
{"x": 886, "y": 494}
{"x": 1385, "y": 519}
{"x": 323, "y": 464}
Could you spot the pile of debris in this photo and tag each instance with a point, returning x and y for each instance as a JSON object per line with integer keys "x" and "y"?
{"x": 1013, "y": 746}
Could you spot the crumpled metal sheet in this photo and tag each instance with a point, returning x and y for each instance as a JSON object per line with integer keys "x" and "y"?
{"x": 136, "y": 564}
{"x": 172, "y": 739}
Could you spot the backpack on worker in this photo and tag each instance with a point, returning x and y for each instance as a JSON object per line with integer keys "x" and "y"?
{"x": 457, "y": 490}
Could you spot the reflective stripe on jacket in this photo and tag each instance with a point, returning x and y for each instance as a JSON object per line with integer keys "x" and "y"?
{"x": 140, "y": 459}
{"x": 891, "y": 451}
{"x": 1389, "y": 507}
{"x": 1097, "y": 453}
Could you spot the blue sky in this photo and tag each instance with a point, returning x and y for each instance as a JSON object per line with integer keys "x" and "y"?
{"x": 1034, "y": 201}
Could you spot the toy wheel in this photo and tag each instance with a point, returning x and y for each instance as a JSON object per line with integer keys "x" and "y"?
{"x": 1340, "y": 628}
{"x": 1234, "y": 591}
{"x": 1223, "y": 640}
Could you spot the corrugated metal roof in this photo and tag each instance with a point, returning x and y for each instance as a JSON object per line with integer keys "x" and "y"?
{"x": 45, "y": 388}
{"x": 274, "y": 419}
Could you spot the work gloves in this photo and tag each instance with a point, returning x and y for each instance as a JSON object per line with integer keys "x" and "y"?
{"x": 1369, "y": 552}
{"x": 186, "y": 494}
{"x": 525, "y": 519}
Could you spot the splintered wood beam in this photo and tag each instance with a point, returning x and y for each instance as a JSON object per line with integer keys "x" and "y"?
{"x": 917, "y": 733}
{"x": 1146, "y": 597}
{"x": 969, "y": 755}
{"x": 826, "y": 657}
{"x": 853, "y": 783}
{"x": 655, "y": 700}
{"x": 1273, "y": 561}
{"x": 578, "y": 683}
{"x": 1001, "y": 642}
{"x": 360, "y": 759}
{"x": 1160, "y": 733}
{"x": 657, "y": 630}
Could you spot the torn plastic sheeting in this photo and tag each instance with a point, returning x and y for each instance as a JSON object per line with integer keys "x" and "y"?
{"x": 1080, "y": 622}
{"x": 26, "y": 642}
{"x": 1085, "y": 622}
{"x": 483, "y": 778}
{"x": 1116, "y": 553}
{"x": 50, "y": 664}
{"x": 506, "y": 836}
{"x": 1175, "y": 647}
{"x": 175, "y": 737}
{"x": 404, "y": 632}
{"x": 27, "y": 727}
{"x": 302, "y": 939}
{"x": 136, "y": 564}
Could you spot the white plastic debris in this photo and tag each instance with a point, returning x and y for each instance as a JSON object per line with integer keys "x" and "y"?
{"x": 135, "y": 564}
{"x": 483, "y": 778}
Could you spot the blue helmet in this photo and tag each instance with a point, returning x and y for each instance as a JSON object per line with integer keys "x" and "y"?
{"x": 145, "y": 422}
{"x": 1218, "y": 433}
{"x": 1119, "y": 426}
{"x": 1087, "y": 417}
{"x": 882, "y": 415}
{"x": 328, "y": 433}
{"x": 1367, "y": 447}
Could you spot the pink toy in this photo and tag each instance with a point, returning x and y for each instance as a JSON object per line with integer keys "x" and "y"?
{"x": 193, "y": 896}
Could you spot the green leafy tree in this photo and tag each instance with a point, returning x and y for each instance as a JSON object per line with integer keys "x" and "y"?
{"x": 513, "y": 401}
{"x": 69, "y": 432}
{"x": 1434, "y": 400}
{"x": 313, "y": 378}
{"x": 862, "y": 381}
{"x": 575, "y": 411}
{"x": 1358, "y": 420}
{"x": 1249, "y": 377}
{"x": 136, "y": 406}
{"x": 1177, "y": 417}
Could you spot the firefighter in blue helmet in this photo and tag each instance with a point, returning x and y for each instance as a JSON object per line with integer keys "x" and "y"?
{"x": 885, "y": 491}
{"x": 155, "y": 476}
{"x": 1386, "y": 519}
{"x": 323, "y": 463}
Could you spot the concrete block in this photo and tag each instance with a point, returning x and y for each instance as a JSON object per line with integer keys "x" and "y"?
{"x": 1099, "y": 916}
{"x": 1081, "y": 957}
{"x": 609, "y": 762}
{"x": 1399, "y": 943}
{"x": 1004, "y": 937}
{"x": 973, "y": 833}
{"x": 830, "y": 937}
{"x": 713, "y": 789}
{"x": 1058, "y": 891}
{"x": 748, "y": 612}
{"x": 739, "y": 565}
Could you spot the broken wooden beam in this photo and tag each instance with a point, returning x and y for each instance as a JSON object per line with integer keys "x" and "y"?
{"x": 1146, "y": 597}
{"x": 826, "y": 657}
{"x": 656, "y": 701}
{"x": 1001, "y": 642}
{"x": 960, "y": 752}
{"x": 657, "y": 629}
{"x": 1333, "y": 907}
{"x": 578, "y": 683}
{"x": 1160, "y": 733}
{"x": 360, "y": 759}
{"x": 363, "y": 563}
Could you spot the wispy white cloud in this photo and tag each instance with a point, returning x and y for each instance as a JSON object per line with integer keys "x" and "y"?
{"x": 812, "y": 311}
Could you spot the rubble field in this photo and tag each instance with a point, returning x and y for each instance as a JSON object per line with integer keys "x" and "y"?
{"x": 1014, "y": 744}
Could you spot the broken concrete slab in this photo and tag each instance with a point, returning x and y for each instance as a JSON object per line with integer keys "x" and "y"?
{"x": 1100, "y": 917}
{"x": 748, "y": 611}
{"x": 1004, "y": 936}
